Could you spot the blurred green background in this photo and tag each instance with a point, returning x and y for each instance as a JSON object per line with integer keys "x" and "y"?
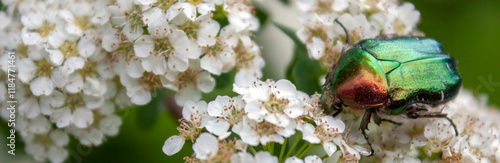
{"x": 468, "y": 30}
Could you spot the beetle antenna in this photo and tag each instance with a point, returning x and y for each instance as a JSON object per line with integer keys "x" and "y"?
{"x": 345, "y": 30}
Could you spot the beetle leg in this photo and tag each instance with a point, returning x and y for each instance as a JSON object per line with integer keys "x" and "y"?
{"x": 378, "y": 120}
{"x": 393, "y": 122}
{"x": 364, "y": 126}
{"x": 415, "y": 115}
{"x": 337, "y": 112}
{"x": 418, "y": 107}
{"x": 338, "y": 108}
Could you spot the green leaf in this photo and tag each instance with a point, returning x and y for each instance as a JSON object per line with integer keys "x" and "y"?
{"x": 146, "y": 31}
{"x": 262, "y": 16}
{"x": 303, "y": 72}
{"x": 286, "y": 2}
{"x": 148, "y": 113}
{"x": 220, "y": 16}
{"x": 291, "y": 34}
{"x": 225, "y": 79}
{"x": 223, "y": 86}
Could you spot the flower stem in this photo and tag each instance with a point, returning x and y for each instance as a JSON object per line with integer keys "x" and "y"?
{"x": 264, "y": 147}
{"x": 304, "y": 146}
{"x": 271, "y": 148}
{"x": 325, "y": 157}
{"x": 297, "y": 139}
{"x": 252, "y": 149}
{"x": 309, "y": 147}
{"x": 283, "y": 147}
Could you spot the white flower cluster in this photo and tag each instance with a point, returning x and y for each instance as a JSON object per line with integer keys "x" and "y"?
{"x": 362, "y": 19}
{"x": 433, "y": 139}
{"x": 263, "y": 114}
{"x": 78, "y": 60}
{"x": 479, "y": 127}
{"x": 266, "y": 113}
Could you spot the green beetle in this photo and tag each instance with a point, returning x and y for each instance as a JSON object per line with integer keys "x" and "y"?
{"x": 392, "y": 76}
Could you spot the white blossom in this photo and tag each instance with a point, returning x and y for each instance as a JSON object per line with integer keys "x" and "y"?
{"x": 173, "y": 145}
{"x": 206, "y": 146}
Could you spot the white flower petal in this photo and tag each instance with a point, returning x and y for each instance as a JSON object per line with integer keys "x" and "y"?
{"x": 59, "y": 137}
{"x": 29, "y": 108}
{"x": 93, "y": 102}
{"x": 41, "y": 86}
{"x": 57, "y": 154}
{"x": 31, "y": 38}
{"x": 265, "y": 157}
{"x": 194, "y": 50}
{"x": 181, "y": 12}
{"x": 83, "y": 117}
{"x": 256, "y": 111}
{"x": 207, "y": 32}
{"x": 308, "y": 131}
{"x": 206, "y": 146}
{"x": 313, "y": 159}
{"x": 28, "y": 70}
{"x": 132, "y": 34}
{"x": 334, "y": 123}
{"x": 329, "y": 148}
{"x": 71, "y": 64}
{"x": 62, "y": 117}
{"x": 110, "y": 125}
{"x": 212, "y": 64}
{"x": 57, "y": 37}
{"x": 55, "y": 56}
{"x": 32, "y": 20}
{"x": 146, "y": 2}
{"x": 217, "y": 107}
{"x": 94, "y": 87}
{"x": 245, "y": 77}
{"x": 48, "y": 103}
{"x": 86, "y": 47}
{"x": 316, "y": 47}
{"x": 58, "y": 78}
{"x": 144, "y": 46}
{"x": 294, "y": 160}
{"x": 155, "y": 64}
{"x": 140, "y": 96}
{"x": 154, "y": 16}
{"x": 91, "y": 137}
{"x": 187, "y": 94}
{"x": 205, "y": 8}
{"x": 248, "y": 135}
{"x": 228, "y": 59}
{"x": 134, "y": 68}
{"x": 173, "y": 145}
{"x": 178, "y": 62}
{"x": 110, "y": 42}
{"x": 285, "y": 89}
{"x": 242, "y": 157}
{"x": 206, "y": 82}
{"x": 217, "y": 126}
{"x": 101, "y": 16}
{"x": 39, "y": 125}
{"x": 74, "y": 29}
{"x": 75, "y": 83}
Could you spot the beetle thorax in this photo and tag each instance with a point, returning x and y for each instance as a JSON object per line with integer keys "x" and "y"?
{"x": 363, "y": 90}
